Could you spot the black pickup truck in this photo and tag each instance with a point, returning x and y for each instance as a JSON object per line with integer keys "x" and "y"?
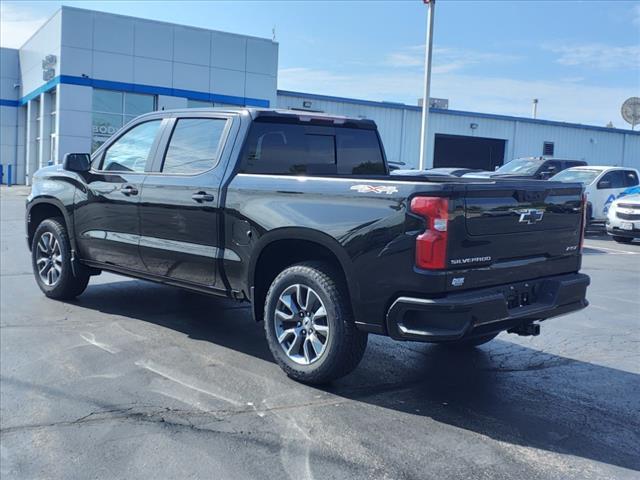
{"x": 298, "y": 214}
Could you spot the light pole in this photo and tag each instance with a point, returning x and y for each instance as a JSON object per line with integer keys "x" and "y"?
{"x": 428, "y": 49}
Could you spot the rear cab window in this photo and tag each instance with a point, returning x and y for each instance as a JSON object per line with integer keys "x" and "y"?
{"x": 299, "y": 149}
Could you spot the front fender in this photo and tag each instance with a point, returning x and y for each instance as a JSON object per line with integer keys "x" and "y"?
{"x": 57, "y": 191}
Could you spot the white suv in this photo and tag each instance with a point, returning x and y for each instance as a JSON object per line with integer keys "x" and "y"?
{"x": 602, "y": 186}
{"x": 623, "y": 218}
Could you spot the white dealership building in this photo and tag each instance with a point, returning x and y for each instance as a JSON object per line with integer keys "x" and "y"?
{"x": 84, "y": 74}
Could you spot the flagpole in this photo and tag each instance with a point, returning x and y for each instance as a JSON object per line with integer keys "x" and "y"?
{"x": 428, "y": 50}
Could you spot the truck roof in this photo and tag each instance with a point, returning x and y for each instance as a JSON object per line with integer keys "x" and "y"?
{"x": 600, "y": 167}
{"x": 278, "y": 114}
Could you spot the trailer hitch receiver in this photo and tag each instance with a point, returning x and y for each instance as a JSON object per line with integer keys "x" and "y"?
{"x": 526, "y": 330}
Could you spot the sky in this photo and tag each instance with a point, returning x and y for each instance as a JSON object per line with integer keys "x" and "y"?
{"x": 581, "y": 59}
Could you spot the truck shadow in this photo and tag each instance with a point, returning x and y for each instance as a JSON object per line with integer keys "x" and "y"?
{"x": 509, "y": 392}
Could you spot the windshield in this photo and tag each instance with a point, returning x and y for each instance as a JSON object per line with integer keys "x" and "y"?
{"x": 523, "y": 166}
{"x": 584, "y": 177}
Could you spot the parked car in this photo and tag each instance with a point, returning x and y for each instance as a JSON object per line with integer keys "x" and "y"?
{"x": 623, "y": 218}
{"x": 603, "y": 184}
{"x": 300, "y": 216}
{"x": 451, "y": 171}
{"x": 537, "y": 168}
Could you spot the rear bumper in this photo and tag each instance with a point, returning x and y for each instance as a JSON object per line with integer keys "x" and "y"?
{"x": 485, "y": 311}
{"x": 618, "y": 232}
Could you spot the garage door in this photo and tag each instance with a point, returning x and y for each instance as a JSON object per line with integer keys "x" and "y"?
{"x": 468, "y": 152}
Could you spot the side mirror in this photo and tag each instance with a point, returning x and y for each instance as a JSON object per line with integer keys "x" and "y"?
{"x": 77, "y": 162}
{"x": 602, "y": 184}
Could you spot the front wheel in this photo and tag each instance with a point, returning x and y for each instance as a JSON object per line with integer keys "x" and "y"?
{"x": 309, "y": 325}
{"x": 622, "y": 239}
{"x": 51, "y": 261}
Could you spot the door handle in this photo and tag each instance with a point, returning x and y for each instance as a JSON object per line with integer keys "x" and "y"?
{"x": 129, "y": 190}
{"x": 202, "y": 197}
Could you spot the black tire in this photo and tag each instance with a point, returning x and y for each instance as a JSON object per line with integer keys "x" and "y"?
{"x": 67, "y": 285}
{"x": 469, "y": 343}
{"x": 622, "y": 239}
{"x": 345, "y": 344}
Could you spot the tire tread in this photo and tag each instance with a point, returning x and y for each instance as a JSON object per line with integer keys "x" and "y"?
{"x": 349, "y": 351}
{"x": 70, "y": 285}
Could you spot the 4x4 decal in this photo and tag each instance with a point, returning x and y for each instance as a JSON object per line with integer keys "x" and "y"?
{"x": 374, "y": 189}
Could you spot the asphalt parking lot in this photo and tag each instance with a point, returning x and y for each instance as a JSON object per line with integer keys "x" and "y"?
{"x": 136, "y": 380}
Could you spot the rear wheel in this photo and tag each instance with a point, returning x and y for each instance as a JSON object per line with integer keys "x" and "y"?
{"x": 309, "y": 324}
{"x": 51, "y": 261}
{"x": 622, "y": 239}
{"x": 470, "y": 342}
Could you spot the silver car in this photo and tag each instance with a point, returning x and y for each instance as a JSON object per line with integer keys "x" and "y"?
{"x": 623, "y": 218}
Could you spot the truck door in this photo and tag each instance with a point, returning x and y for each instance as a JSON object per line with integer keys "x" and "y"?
{"x": 180, "y": 203}
{"x": 106, "y": 211}
{"x": 609, "y": 187}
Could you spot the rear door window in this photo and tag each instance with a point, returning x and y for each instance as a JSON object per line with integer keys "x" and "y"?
{"x": 286, "y": 149}
{"x": 194, "y": 146}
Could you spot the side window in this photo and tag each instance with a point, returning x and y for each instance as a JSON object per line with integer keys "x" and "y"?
{"x": 359, "y": 152}
{"x": 194, "y": 146}
{"x": 285, "y": 149}
{"x": 130, "y": 152}
{"x": 631, "y": 178}
{"x": 552, "y": 167}
{"x": 613, "y": 179}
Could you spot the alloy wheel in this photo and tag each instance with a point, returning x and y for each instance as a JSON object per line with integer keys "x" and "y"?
{"x": 48, "y": 259}
{"x": 301, "y": 324}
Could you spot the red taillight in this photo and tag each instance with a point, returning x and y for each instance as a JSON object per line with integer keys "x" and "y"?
{"x": 583, "y": 224}
{"x": 431, "y": 246}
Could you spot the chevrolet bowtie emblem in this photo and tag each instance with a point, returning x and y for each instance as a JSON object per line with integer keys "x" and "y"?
{"x": 530, "y": 215}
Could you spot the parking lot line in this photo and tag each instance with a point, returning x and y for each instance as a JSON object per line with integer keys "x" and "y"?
{"x": 612, "y": 250}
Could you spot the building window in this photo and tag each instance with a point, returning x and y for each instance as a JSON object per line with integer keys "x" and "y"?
{"x": 53, "y": 154}
{"x": 547, "y": 149}
{"x": 112, "y": 110}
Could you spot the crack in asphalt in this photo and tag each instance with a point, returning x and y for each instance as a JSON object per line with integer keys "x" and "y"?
{"x": 155, "y": 414}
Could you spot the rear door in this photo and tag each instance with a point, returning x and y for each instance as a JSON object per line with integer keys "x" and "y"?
{"x": 180, "y": 204}
{"x": 106, "y": 211}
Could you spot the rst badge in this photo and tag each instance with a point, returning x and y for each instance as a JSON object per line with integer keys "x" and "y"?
{"x": 374, "y": 189}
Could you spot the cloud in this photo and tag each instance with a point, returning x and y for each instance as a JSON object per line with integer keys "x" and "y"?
{"x": 598, "y": 55}
{"x": 446, "y": 59}
{"x": 17, "y": 24}
{"x": 570, "y": 101}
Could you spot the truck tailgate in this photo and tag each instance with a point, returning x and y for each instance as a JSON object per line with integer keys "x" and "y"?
{"x": 512, "y": 231}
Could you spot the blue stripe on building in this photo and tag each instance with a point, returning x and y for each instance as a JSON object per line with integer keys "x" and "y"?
{"x": 138, "y": 88}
